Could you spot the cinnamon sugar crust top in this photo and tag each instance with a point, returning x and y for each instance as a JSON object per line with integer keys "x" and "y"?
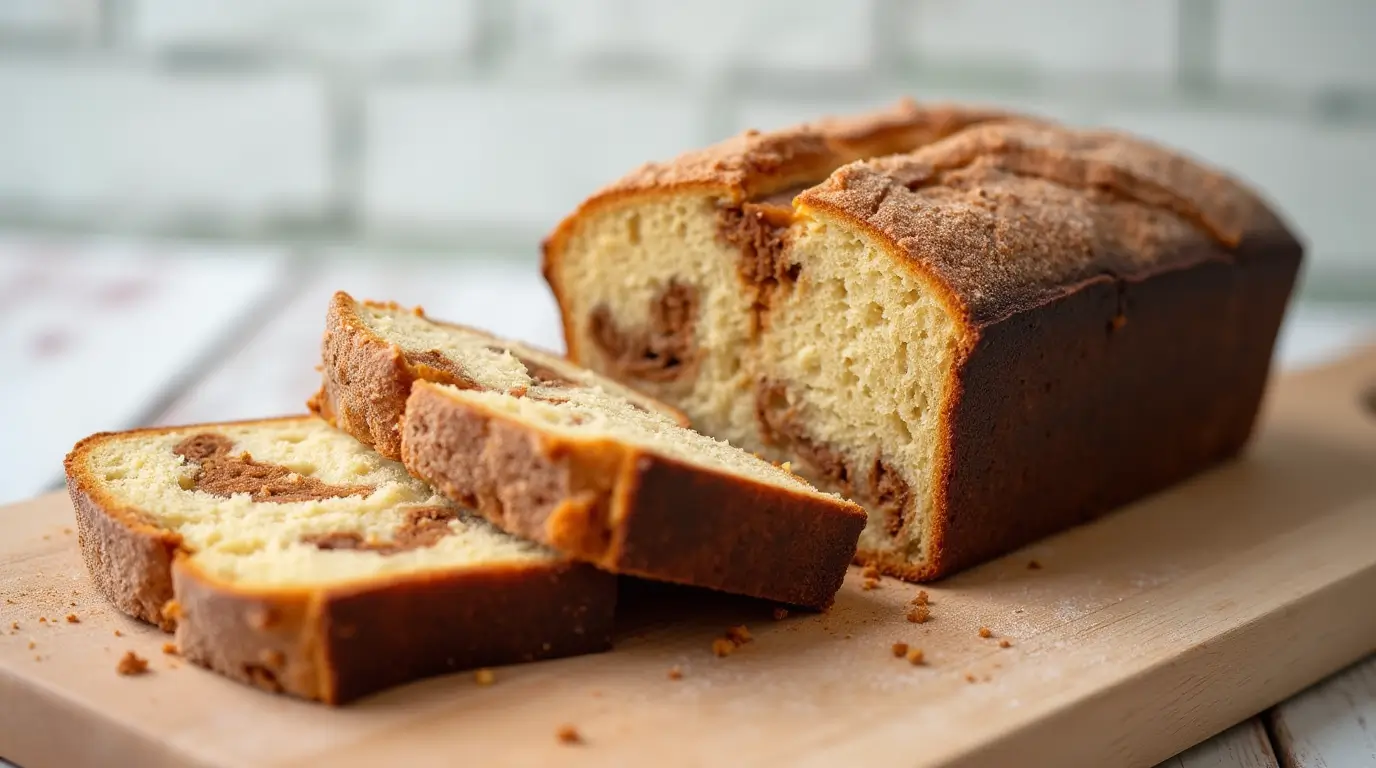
{"x": 1009, "y": 216}
{"x": 754, "y": 163}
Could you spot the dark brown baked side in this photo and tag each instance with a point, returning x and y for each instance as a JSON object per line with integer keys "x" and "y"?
{"x": 337, "y": 646}
{"x": 1115, "y": 391}
{"x": 630, "y": 511}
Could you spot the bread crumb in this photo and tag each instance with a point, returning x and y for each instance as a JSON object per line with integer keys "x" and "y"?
{"x": 32, "y": 645}
{"x": 1034, "y": 565}
{"x": 170, "y": 649}
{"x": 787, "y": 466}
{"x": 14, "y": 625}
{"x": 871, "y": 572}
{"x": 675, "y": 673}
{"x": 72, "y": 619}
{"x": 740, "y": 634}
{"x": 919, "y": 614}
{"x": 921, "y": 598}
{"x": 9, "y": 601}
{"x": 119, "y": 633}
{"x": 67, "y": 530}
{"x": 485, "y": 676}
{"x": 42, "y": 620}
{"x": 72, "y": 604}
{"x": 869, "y": 584}
{"x": 969, "y": 678}
{"x": 171, "y": 610}
{"x": 567, "y": 734}
{"x": 131, "y": 664}
{"x": 36, "y": 657}
{"x": 780, "y": 613}
{"x": 1005, "y": 643}
{"x": 985, "y": 632}
{"x": 900, "y": 650}
{"x": 722, "y": 647}
{"x": 916, "y": 657}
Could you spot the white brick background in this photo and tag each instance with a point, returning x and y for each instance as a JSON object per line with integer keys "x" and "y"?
{"x": 475, "y": 124}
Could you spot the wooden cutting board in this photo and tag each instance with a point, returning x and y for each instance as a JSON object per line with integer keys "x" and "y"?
{"x": 1139, "y": 635}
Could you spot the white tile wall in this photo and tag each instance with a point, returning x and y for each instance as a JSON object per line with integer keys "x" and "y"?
{"x": 1323, "y": 177}
{"x": 142, "y": 145}
{"x": 1050, "y": 36}
{"x": 357, "y": 30}
{"x": 701, "y": 36}
{"x": 486, "y": 116}
{"x": 1299, "y": 43}
{"x": 505, "y": 156}
{"x": 67, "y": 20}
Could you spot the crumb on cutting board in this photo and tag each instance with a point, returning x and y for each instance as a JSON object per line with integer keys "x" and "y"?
{"x": 72, "y": 619}
{"x": 921, "y": 598}
{"x": 722, "y": 647}
{"x": 131, "y": 664}
{"x": 916, "y": 657}
{"x": 485, "y": 676}
{"x": 899, "y": 650}
{"x": 170, "y": 649}
{"x": 739, "y": 634}
{"x": 567, "y": 734}
{"x": 985, "y": 632}
{"x": 919, "y": 614}
{"x": 1034, "y": 565}
{"x": 32, "y": 645}
{"x": 969, "y": 678}
{"x": 1005, "y": 643}
{"x": 675, "y": 673}
{"x": 119, "y": 633}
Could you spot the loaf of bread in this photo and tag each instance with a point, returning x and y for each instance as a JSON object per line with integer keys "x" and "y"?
{"x": 289, "y": 556}
{"x": 997, "y": 330}
{"x": 559, "y": 455}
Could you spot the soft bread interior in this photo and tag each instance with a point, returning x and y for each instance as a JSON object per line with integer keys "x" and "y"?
{"x": 267, "y": 544}
{"x": 589, "y": 414}
{"x": 844, "y": 375}
{"x": 491, "y": 363}
{"x": 623, "y": 260}
{"x": 859, "y": 352}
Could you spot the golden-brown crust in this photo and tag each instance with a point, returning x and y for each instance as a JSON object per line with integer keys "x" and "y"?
{"x": 630, "y": 511}
{"x": 755, "y": 164}
{"x": 336, "y": 644}
{"x": 1005, "y": 217}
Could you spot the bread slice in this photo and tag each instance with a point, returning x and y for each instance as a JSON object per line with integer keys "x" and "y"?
{"x": 571, "y": 461}
{"x": 983, "y": 340}
{"x": 372, "y": 357}
{"x": 290, "y": 556}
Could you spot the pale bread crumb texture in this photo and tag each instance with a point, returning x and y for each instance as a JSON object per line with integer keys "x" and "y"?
{"x": 264, "y": 544}
{"x": 492, "y": 363}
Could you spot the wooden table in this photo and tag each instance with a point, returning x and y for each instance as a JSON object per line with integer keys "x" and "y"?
{"x": 113, "y": 334}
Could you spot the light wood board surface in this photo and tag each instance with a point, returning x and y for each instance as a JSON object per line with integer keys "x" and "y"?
{"x": 1141, "y": 634}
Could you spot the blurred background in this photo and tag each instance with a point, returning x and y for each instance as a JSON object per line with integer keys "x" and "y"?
{"x": 182, "y": 182}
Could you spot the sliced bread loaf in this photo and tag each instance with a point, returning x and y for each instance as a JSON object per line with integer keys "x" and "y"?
{"x": 290, "y": 556}
{"x": 983, "y": 340}
{"x": 566, "y": 458}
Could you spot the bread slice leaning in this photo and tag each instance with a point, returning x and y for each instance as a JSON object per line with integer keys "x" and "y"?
{"x": 574, "y": 463}
{"x": 367, "y": 377}
{"x": 289, "y": 556}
